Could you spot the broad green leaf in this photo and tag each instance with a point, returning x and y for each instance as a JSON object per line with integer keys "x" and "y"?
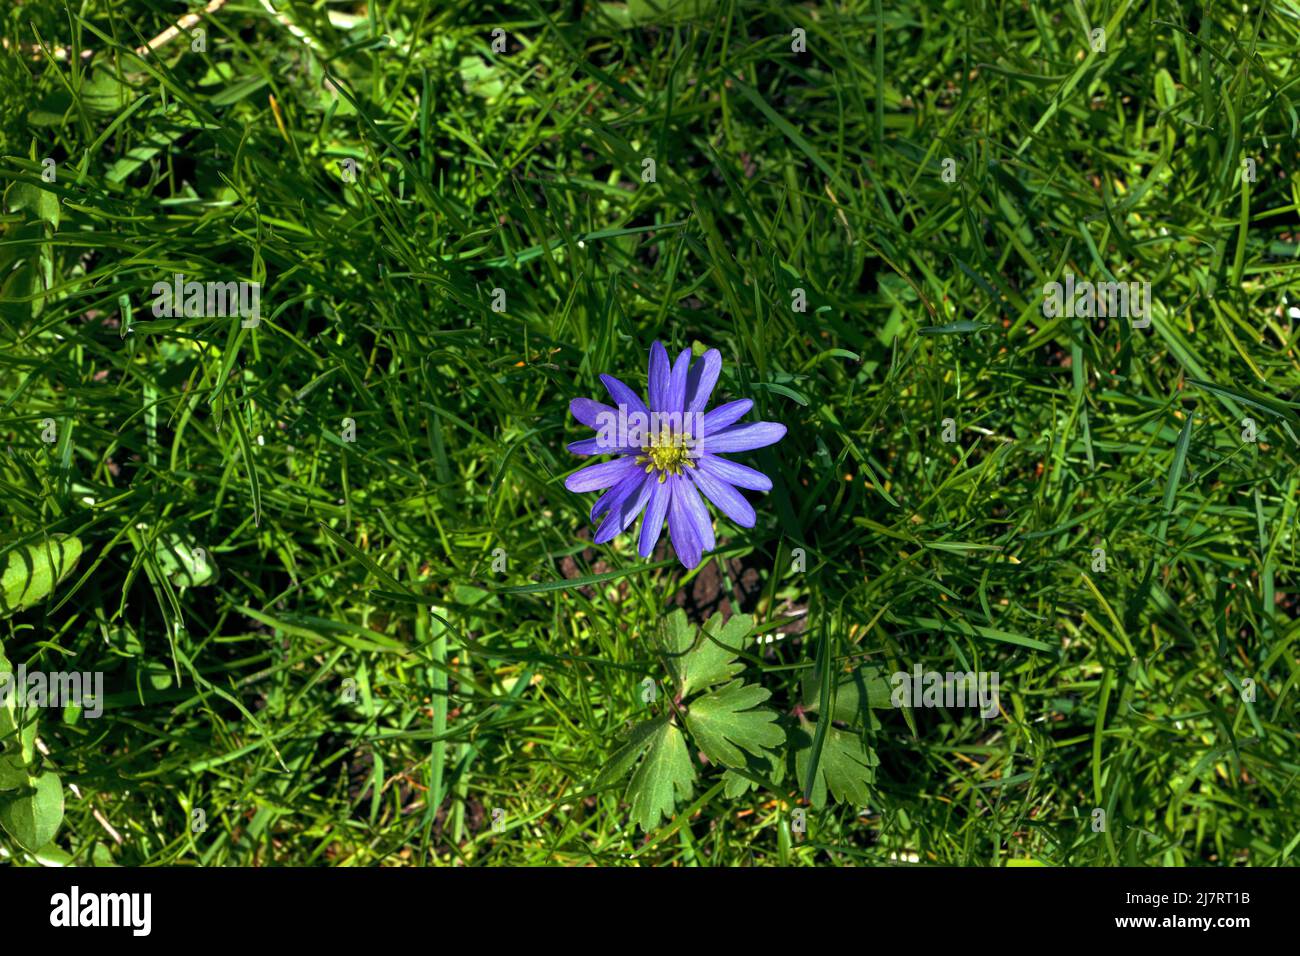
{"x": 665, "y": 776}
{"x": 183, "y": 562}
{"x": 42, "y": 203}
{"x": 634, "y": 13}
{"x": 863, "y": 688}
{"x": 32, "y": 818}
{"x": 713, "y": 657}
{"x": 725, "y": 721}
{"x": 102, "y": 856}
{"x": 17, "y": 732}
{"x": 733, "y": 632}
{"x": 735, "y": 785}
{"x": 156, "y": 672}
{"x": 18, "y": 284}
{"x": 769, "y": 768}
{"x": 32, "y": 573}
{"x": 679, "y": 633}
{"x": 479, "y": 78}
{"x": 26, "y": 277}
{"x": 13, "y": 772}
{"x": 619, "y": 765}
{"x": 845, "y": 768}
{"x": 103, "y": 93}
{"x": 52, "y": 855}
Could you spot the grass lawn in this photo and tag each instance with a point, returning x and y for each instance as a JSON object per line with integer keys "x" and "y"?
{"x": 316, "y": 543}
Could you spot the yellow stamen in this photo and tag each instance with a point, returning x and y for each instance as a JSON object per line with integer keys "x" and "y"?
{"x": 666, "y": 453}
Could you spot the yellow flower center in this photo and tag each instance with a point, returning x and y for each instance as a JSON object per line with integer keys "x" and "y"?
{"x": 666, "y": 453}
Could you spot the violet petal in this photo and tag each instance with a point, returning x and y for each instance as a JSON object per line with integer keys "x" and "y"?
{"x": 681, "y": 529}
{"x": 693, "y": 505}
{"x": 725, "y": 415}
{"x": 727, "y": 499}
{"x": 602, "y": 475}
{"x": 594, "y": 446}
{"x": 617, "y": 494}
{"x": 585, "y": 411}
{"x": 676, "y": 396}
{"x": 658, "y": 378}
{"x": 653, "y": 522}
{"x": 699, "y": 383}
{"x": 625, "y": 512}
{"x": 734, "y": 473}
{"x": 745, "y": 437}
{"x": 623, "y": 395}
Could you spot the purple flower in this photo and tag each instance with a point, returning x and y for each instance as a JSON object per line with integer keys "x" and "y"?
{"x": 667, "y": 454}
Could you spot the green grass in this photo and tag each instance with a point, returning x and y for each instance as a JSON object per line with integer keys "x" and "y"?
{"x": 372, "y": 565}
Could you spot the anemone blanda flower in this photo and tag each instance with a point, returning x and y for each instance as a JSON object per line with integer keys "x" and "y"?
{"x": 668, "y": 452}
